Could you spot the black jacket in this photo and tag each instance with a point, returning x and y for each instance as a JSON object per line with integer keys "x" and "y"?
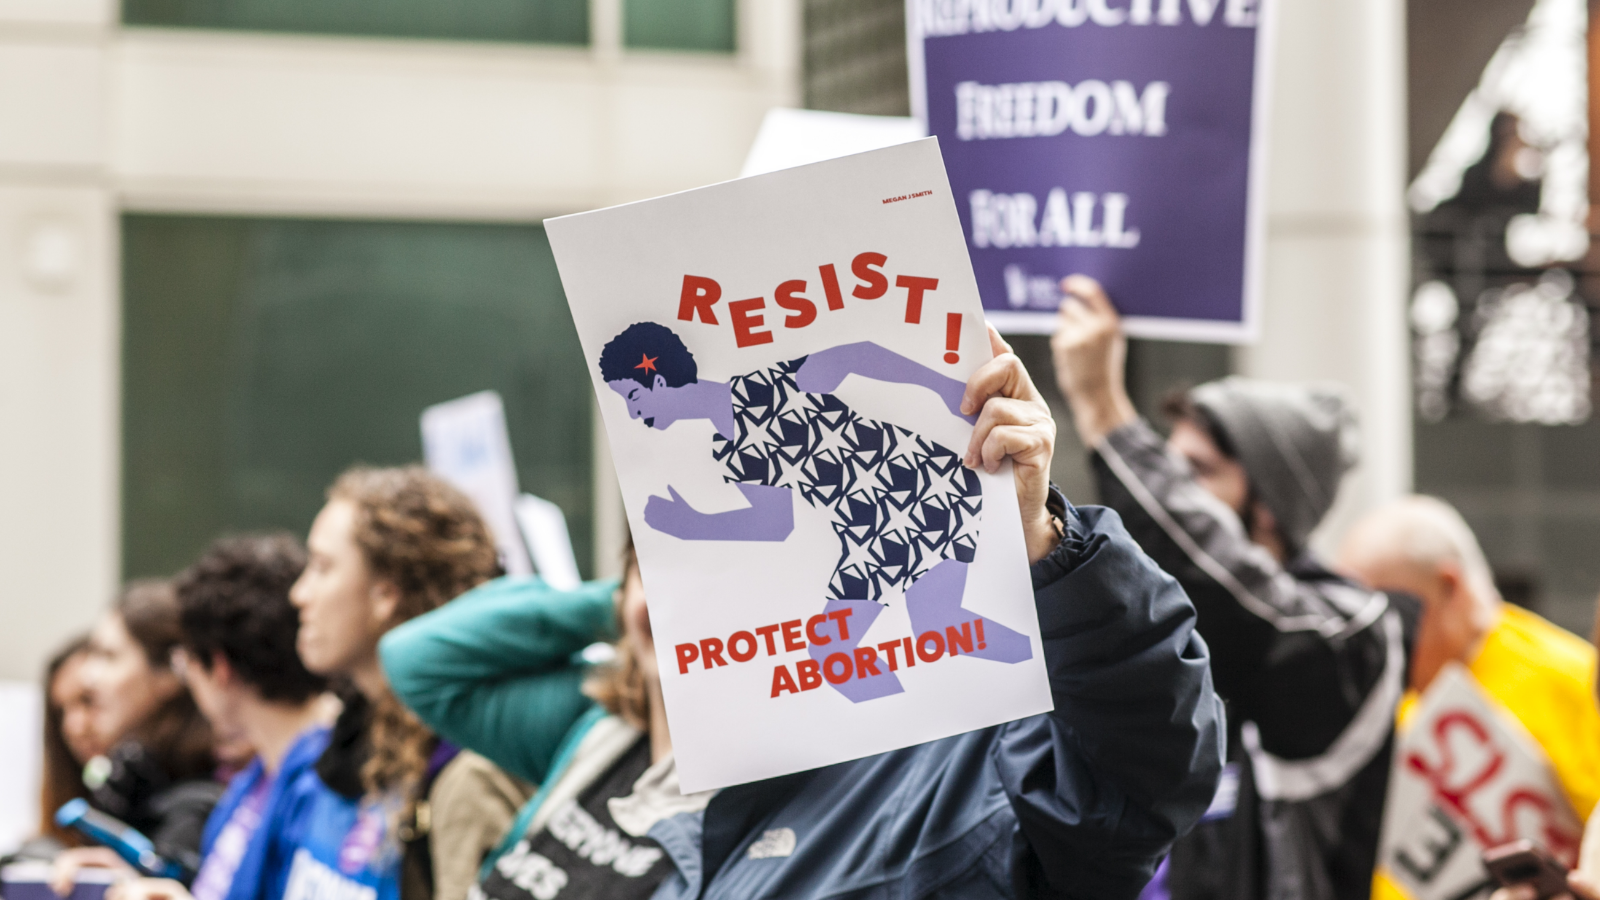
{"x": 1311, "y": 666}
{"x": 171, "y": 812}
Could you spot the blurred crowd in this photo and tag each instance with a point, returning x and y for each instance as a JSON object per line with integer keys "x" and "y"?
{"x": 375, "y": 713}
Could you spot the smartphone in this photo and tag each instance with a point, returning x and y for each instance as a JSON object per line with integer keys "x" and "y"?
{"x": 119, "y": 836}
{"x": 1524, "y": 862}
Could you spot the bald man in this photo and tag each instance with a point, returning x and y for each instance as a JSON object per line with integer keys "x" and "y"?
{"x": 1544, "y": 675}
{"x": 1421, "y": 546}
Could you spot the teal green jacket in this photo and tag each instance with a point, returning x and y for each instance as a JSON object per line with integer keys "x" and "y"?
{"x": 495, "y": 670}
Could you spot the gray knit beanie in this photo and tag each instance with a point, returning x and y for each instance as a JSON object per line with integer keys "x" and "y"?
{"x": 1295, "y": 442}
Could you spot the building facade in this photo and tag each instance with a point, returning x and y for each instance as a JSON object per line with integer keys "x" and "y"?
{"x": 245, "y": 243}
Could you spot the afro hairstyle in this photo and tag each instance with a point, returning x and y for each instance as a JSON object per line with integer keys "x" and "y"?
{"x": 644, "y": 350}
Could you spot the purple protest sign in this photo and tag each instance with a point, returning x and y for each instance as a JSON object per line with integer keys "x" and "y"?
{"x": 1123, "y": 139}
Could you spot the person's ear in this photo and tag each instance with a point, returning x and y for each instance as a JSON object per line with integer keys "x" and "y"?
{"x": 657, "y": 383}
{"x": 1450, "y": 578}
{"x": 1263, "y": 517}
{"x": 1262, "y": 522}
{"x": 165, "y": 682}
{"x": 385, "y": 598}
{"x": 221, "y": 671}
{"x": 1263, "y": 531}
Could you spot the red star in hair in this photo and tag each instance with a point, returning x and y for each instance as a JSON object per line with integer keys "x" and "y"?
{"x": 649, "y": 364}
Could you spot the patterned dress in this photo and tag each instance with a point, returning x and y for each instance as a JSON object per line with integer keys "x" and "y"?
{"x": 900, "y": 504}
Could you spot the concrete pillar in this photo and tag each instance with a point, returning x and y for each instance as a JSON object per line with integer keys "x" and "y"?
{"x": 1338, "y": 241}
{"x": 59, "y": 354}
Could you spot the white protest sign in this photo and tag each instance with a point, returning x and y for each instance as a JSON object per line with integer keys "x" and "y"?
{"x": 464, "y": 442}
{"x": 795, "y": 137}
{"x": 1467, "y": 776}
{"x": 780, "y": 362}
{"x": 30, "y": 880}
{"x": 22, "y": 710}
{"x": 544, "y": 527}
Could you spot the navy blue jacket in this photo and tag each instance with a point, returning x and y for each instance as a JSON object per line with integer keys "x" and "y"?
{"x": 1081, "y": 802}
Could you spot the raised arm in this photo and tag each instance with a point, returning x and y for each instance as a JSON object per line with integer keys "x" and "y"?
{"x": 1129, "y": 759}
{"x": 493, "y": 670}
{"x": 1305, "y": 656}
{"x": 825, "y": 370}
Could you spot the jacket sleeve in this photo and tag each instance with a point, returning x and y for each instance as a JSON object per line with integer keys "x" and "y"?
{"x": 1297, "y": 656}
{"x": 473, "y": 803}
{"x": 183, "y": 811}
{"x": 492, "y": 670}
{"x": 1130, "y": 758}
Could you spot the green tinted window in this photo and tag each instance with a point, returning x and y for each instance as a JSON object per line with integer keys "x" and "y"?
{"x": 679, "y": 24}
{"x": 538, "y": 21}
{"x": 262, "y": 357}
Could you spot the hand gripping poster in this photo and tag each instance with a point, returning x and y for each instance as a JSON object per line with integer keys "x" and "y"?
{"x": 1467, "y": 777}
{"x": 780, "y": 362}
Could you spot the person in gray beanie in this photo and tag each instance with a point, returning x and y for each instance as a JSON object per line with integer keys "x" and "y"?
{"x": 1311, "y": 665}
{"x": 1295, "y": 442}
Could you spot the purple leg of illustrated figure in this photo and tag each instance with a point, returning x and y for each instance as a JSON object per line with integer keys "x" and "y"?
{"x": 934, "y": 604}
{"x": 862, "y": 615}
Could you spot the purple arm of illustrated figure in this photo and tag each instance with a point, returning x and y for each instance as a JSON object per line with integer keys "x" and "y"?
{"x": 824, "y": 370}
{"x": 769, "y": 517}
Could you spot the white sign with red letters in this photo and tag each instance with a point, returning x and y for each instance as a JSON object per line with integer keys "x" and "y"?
{"x": 780, "y": 363}
{"x": 1467, "y": 776}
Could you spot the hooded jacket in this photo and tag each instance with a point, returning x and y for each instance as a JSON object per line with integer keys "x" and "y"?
{"x": 1296, "y": 441}
{"x": 1312, "y": 667}
{"x": 1079, "y": 803}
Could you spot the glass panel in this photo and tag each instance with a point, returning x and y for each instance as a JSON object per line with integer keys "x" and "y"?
{"x": 679, "y": 24}
{"x": 855, "y": 56}
{"x": 536, "y": 21}
{"x": 1504, "y": 292}
{"x": 1462, "y": 452}
{"x": 1503, "y": 309}
{"x": 1571, "y": 571}
{"x": 262, "y": 357}
{"x": 1571, "y": 459}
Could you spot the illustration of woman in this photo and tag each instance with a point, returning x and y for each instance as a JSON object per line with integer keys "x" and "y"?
{"x": 905, "y": 510}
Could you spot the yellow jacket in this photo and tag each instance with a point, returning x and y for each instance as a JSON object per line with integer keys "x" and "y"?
{"x": 1545, "y": 676}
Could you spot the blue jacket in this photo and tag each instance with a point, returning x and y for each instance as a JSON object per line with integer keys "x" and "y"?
{"x": 286, "y": 801}
{"x": 1080, "y": 802}
{"x": 314, "y": 849}
{"x": 322, "y": 855}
